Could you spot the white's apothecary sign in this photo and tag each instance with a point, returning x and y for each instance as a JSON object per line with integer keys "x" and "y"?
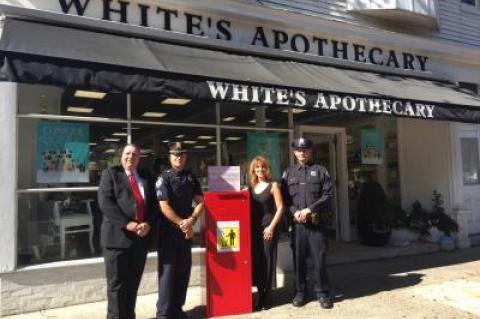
{"x": 165, "y": 16}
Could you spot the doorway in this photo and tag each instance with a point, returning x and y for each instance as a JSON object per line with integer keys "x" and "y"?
{"x": 330, "y": 151}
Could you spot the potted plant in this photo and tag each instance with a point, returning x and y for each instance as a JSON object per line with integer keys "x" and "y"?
{"x": 405, "y": 227}
{"x": 443, "y": 222}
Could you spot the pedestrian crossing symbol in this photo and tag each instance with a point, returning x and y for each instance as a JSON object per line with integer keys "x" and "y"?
{"x": 228, "y": 236}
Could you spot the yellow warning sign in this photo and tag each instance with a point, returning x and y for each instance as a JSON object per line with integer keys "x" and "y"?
{"x": 228, "y": 236}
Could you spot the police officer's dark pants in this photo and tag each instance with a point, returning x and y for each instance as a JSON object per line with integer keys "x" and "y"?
{"x": 174, "y": 265}
{"x": 124, "y": 268}
{"x": 313, "y": 242}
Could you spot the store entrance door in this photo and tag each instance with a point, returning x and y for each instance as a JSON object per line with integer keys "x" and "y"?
{"x": 329, "y": 150}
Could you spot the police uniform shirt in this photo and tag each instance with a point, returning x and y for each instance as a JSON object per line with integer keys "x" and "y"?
{"x": 308, "y": 186}
{"x": 178, "y": 188}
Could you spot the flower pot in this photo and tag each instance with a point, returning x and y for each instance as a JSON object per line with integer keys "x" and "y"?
{"x": 402, "y": 237}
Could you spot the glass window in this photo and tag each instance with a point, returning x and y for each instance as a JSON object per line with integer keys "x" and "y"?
{"x": 58, "y": 226}
{"x": 240, "y": 146}
{"x": 154, "y": 139}
{"x": 66, "y": 153}
{"x": 254, "y": 115}
{"x": 470, "y": 160}
{"x": 42, "y": 99}
{"x": 156, "y": 107}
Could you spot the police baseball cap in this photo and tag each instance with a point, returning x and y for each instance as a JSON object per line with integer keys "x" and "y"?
{"x": 302, "y": 143}
{"x": 176, "y": 148}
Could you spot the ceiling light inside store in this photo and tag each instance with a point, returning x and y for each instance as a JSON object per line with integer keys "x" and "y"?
{"x": 77, "y": 109}
{"x": 190, "y": 142}
{"x": 212, "y": 143}
{"x": 172, "y": 101}
{"x": 154, "y": 114}
{"x": 166, "y": 141}
{"x": 228, "y": 119}
{"x": 180, "y": 136}
{"x": 119, "y": 134}
{"x": 254, "y": 121}
{"x": 146, "y": 151}
{"x": 132, "y": 128}
{"x": 144, "y": 155}
{"x": 110, "y": 151}
{"x": 233, "y": 138}
{"x": 206, "y": 137}
{"x": 111, "y": 139}
{"x": 294, "y": 110}
{"x": 200, "y": 146}
{"x": 89, "y": 94}
{"x": 92, "y": 144}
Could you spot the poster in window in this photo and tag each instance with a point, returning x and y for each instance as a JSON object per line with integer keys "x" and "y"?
{"x": 62, "y": 152}
{"x": 372, "y": 151}
{"x": 268, "y": 146}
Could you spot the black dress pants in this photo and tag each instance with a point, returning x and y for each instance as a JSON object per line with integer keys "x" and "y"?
{"x": 311, "y": 242}
{"x": 124, "y": 268}
{"x": 174, "y": 265}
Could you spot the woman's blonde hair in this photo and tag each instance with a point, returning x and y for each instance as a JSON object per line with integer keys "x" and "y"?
{"x": 258, "y": 160}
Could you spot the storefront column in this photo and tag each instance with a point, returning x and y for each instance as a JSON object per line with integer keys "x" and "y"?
{"x": 8, "y": 170}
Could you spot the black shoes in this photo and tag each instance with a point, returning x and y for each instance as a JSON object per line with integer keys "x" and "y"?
{"x": 326, "y": 302}
{"x": 264, "y": 301}
{"x": 299, "y": 300}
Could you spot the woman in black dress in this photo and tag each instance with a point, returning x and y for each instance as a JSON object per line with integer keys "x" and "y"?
{"x": 266, "y": 214}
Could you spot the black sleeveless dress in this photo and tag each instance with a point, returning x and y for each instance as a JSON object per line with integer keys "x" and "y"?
{"x": 264, "y": 254}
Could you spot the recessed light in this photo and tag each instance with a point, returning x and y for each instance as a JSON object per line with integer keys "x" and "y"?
{"x": 111, "y": 139}
{"x": 92, "y": 144}
{"x": 78, "y": 109}
{"x": 109, "y": 151}
{"x": 154, "y": 114}
{"x": 166, "y": 141}
{"x": 180, "y": 136}
{"x": 229, "y": 119}
{"x": 144, "y": 155}
{"x": 173, "y": 101}
{"x": 200, "y": 146}
{"x": 294, "y": 110}
{"x": 206, "y": 137}
{"x": 212, "y": 143}
{"x": 254, "y": 121}
{"x": 233, "y": 138}
{"x": 90, "y": 94}
{"x": 190, "y": 142}
{"x": 146, "y": 151}
{"x": 119, "y": 134}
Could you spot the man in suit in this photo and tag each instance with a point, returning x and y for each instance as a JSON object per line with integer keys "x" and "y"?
{"x": 127, "y": 199}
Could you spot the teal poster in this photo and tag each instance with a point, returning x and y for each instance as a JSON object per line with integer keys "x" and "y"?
{"x": 372, "y": 151}
{"x": 62, "y": 152}
{"x": 268, "y": 146}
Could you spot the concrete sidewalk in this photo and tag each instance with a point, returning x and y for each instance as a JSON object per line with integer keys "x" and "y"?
{"x": 438, "y": 285}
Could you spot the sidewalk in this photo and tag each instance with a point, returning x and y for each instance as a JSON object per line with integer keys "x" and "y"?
{"x": 438, "y": 285}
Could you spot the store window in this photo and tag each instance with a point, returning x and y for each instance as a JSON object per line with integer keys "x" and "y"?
{"x": 470, "y": 161}
{"x": 67, "y": 137}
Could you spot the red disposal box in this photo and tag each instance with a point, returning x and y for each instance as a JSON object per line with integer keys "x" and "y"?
{"x": 228, "y": 260}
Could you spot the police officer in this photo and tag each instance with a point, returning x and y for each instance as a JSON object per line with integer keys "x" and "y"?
{"x": 307, "y": 189}
{"x": 181, "y": 203}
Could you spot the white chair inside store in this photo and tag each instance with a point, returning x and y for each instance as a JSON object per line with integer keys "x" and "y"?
{"x": 69, "y": 222}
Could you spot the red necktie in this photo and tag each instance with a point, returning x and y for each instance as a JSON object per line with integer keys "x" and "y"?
{"x": 138, "y": 199}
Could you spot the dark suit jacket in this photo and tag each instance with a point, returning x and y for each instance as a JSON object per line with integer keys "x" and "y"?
{"x": 117, "y": 204}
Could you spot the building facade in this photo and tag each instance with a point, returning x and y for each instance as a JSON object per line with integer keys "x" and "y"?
{"x": 377, "y": 86}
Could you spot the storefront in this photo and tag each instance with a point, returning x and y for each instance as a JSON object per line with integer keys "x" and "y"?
{"x": 77, "y": 86}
